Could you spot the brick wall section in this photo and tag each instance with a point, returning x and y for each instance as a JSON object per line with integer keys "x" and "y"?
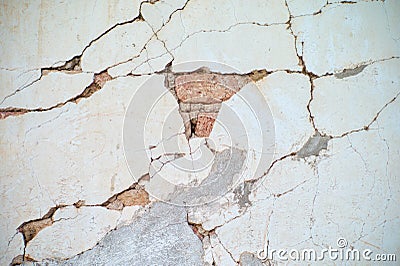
{"x": 200, "y": 96}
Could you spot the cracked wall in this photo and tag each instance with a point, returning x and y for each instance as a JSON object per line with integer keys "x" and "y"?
{"x": 196, "y": 132}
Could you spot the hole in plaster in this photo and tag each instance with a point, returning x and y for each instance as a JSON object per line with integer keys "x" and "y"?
{"x": 314, "y": 145}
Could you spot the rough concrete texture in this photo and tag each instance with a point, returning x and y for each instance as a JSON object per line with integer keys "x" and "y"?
{"x": 199, "y": 132}
{"x": 248, "y": 259}
{"x": 223, "y": 177}
{"x": 314, "y": 145}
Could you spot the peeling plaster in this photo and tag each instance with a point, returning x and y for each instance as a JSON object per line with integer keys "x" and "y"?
{"x": 242, "y": 194}
{"x": 159, "y": 231}
{"x": 132, "y": 196}
{"x": 350, "y": 72}
{"x": 99, "y": 81}
{"x": 314, "y": 146}
{"x": 200, "y": 94}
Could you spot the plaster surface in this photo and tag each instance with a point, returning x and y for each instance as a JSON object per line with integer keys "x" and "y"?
{"x": 192, "y": 132}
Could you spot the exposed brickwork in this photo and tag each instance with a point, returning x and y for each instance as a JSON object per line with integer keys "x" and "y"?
{"x": 206, "y": 88}
{"x": 200, "y": 96}
{"x": 205, "y": 123}
{"x": 133, "y": 196}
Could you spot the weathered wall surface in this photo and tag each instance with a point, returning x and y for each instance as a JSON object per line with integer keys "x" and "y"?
{"x": 192, "y": 132}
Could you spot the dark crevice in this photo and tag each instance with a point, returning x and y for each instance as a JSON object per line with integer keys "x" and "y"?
{"x": 292, "y": 154}
{"x": 99, "y": 81}
{"x": 20, "y": 259}
{"x": 311, "y": 76}
{"x": 374, "y": 119}
{"x": 198, "y": 229}
{"x": 31, "y": 228}
{"x": 72, "y": 65}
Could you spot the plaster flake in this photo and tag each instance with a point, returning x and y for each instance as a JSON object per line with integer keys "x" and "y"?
{"x": 59, "y": 181}
{"x": 37, "y": 41}
{"x": 340, "y": 190}
{"x": 16, "y": 80}
{"x": 51, "y": 89}
{"x": 226, "y": 46}
{"x": 220, "y": 254}
{"x": 161, "y": 12}
{"x": 215, "y": 214}
{"x": 152, "y": 59}
{"x": 66, "y": 233}
{"x": 301, "y": 8}
{"x": 13, "y": 248}
{"x": 104, "y": 54}
{"x": 365, "y": 94}
{"x": 247, "y": 232}
{"x": 191, "y": 19}
{"x": 355, "y": 39}
{"x": 287, "y": 94}
{"x": 161, "y": 222}
{"x": 197, "y": 133}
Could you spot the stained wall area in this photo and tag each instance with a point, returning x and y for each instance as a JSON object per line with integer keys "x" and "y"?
{"x": 199, "y": 132}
